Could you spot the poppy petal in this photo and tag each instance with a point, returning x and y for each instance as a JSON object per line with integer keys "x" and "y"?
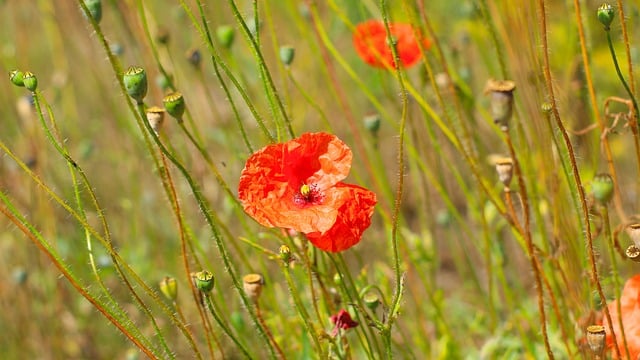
{"x": 370, "y": 42}
{"x": 630, "y": 314}
{"x": 354, "y": 217}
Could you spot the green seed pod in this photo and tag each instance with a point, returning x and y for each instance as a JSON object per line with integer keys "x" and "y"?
{"x": 16, "y": 77}
{"x": 169, "y": 288}
{"x": 135, "y": 82}
{"x": 287, "y": 53}
{"x": 372, "y": 123}
{"x": 371, "y": 300}
{"x": 605, "y": 15}
{"x": 30, "y": 81}
{"x": 225, "y": 34}
{"x": 285, "y": 254}
{"x": 205, "y": 281}
{"x": 602, "y": 188}
{"x": 174, "y": 104}
{"x": 95, "y": 9}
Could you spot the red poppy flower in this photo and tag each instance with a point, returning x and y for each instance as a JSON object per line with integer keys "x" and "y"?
{"x": 370, "y": 41}
{"x": 630, "y": 310}
{"x": 297, "y": 185}
{"x": 343, "y": 321}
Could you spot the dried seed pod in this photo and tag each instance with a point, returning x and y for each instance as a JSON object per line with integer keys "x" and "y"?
{"x": 501, "y": 92}
{"x": 633, "y": 231}
{"x": 633, "y": 253}
{"x": 253, "y": 284}
{"x": 504, "y": 168}
{"x": 155, "y": 116}
{"x": 596, "y": 338}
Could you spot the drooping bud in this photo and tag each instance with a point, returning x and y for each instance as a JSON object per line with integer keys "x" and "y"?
{"x": 174, "y": 104}
{"x": 95, "y": 9}
{"x": 169, "y": 288}
{"x": 30, "y": 81}
{"x": 501, "y": 92}
{"x": 225, "y": 34}
{"x": 252, "y": 284}
{"x": 287, "y": 53}
{"x": 372, "y": 123}
{"x": 602, "y": 188}
{"x": 16, "y": 77}
{"x": 135, "y": 82}
{"x": 596, "y": 338}
{"x": 504, "y": 168}
{"x": 605, "y": 15}
{"x": 204, "y": 281}
{"x": 155, "y": 116}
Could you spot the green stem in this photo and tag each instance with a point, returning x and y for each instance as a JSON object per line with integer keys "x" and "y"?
{"x": 224, "y": 326}
{"x": 621, "y": 77}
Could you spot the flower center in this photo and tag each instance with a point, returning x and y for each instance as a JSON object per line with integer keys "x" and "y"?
{"x": 308, "y": 195}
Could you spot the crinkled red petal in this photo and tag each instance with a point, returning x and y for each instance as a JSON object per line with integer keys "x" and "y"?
{"x": 354, "y": 217}
{"x": 273, "y": 176}
{"x": 370, "y": 42}
{"x": 630, "y": 310}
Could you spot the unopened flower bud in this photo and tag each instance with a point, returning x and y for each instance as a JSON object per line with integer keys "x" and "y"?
{"x": 633, "y": 253}
{"x": 204, "y": 281}
{"x": 95, "y": 9}
{"x": 155, "y": 116}
{"x": 605, "y": 15}
{"x": 287, "y": 53}
{"x": 174, "y": 104}
{"x": 504, "y": 168}
{"x": 194, "y": 57}
{"x": 16, "y": 77}
{"x": 372, "y": 123}
{"x": 225, "y": 34}
{"x": 501, "y": 92}
{"x": 135, "y": 82}
{"x": 371, "y": 300}
{"x": 30, "y": 81}
{"x": 253, "y": 284}
{"x": 633, "y": 231}
{"x": 169, "y": 288}
{"x": 596, "y": 338}
{"x": 602, "y": 188}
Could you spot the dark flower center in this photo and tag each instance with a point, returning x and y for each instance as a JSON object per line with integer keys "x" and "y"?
{"x": 308, "y": 195}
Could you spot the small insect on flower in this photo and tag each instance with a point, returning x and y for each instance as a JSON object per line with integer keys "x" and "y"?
{"x": 372, "y": 44}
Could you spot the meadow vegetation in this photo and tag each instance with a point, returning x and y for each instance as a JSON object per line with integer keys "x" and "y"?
{"x": 309, "y": 179}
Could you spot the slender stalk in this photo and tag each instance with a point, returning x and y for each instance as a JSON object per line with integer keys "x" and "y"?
{"x": 225, "y": 328}
{"x": 574, "y": 167}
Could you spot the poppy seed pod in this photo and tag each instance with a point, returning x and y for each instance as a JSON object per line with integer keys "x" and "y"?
{"x": 605, "y": 15}
{"x": 633, "y": 253}
{"x": 287, "y": 53}
{"x": 372, "y": 123}
{"x": 135, "y": 82}
{"x": 501, "y": 92}
{"x": 285, "y": 254}
{"x": 30, "y": 81}
{"x": 602, "y": 188}
{"x": 633, "y": 231}
{"x": 225, "y": 35}
{"x": 252, "y": 284}
{"x": 16, "y": 77}
{"x": 95, "y": 9}
{"x": 169, "y": 288}
{"x": 596, "y": 338}
{"x": 371, "y": 300}
{"x": 174, "y": 104}
{"x": 205, "y": 281}
{"x": 504, "y": 168}
{"x": 155, "y": 116}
